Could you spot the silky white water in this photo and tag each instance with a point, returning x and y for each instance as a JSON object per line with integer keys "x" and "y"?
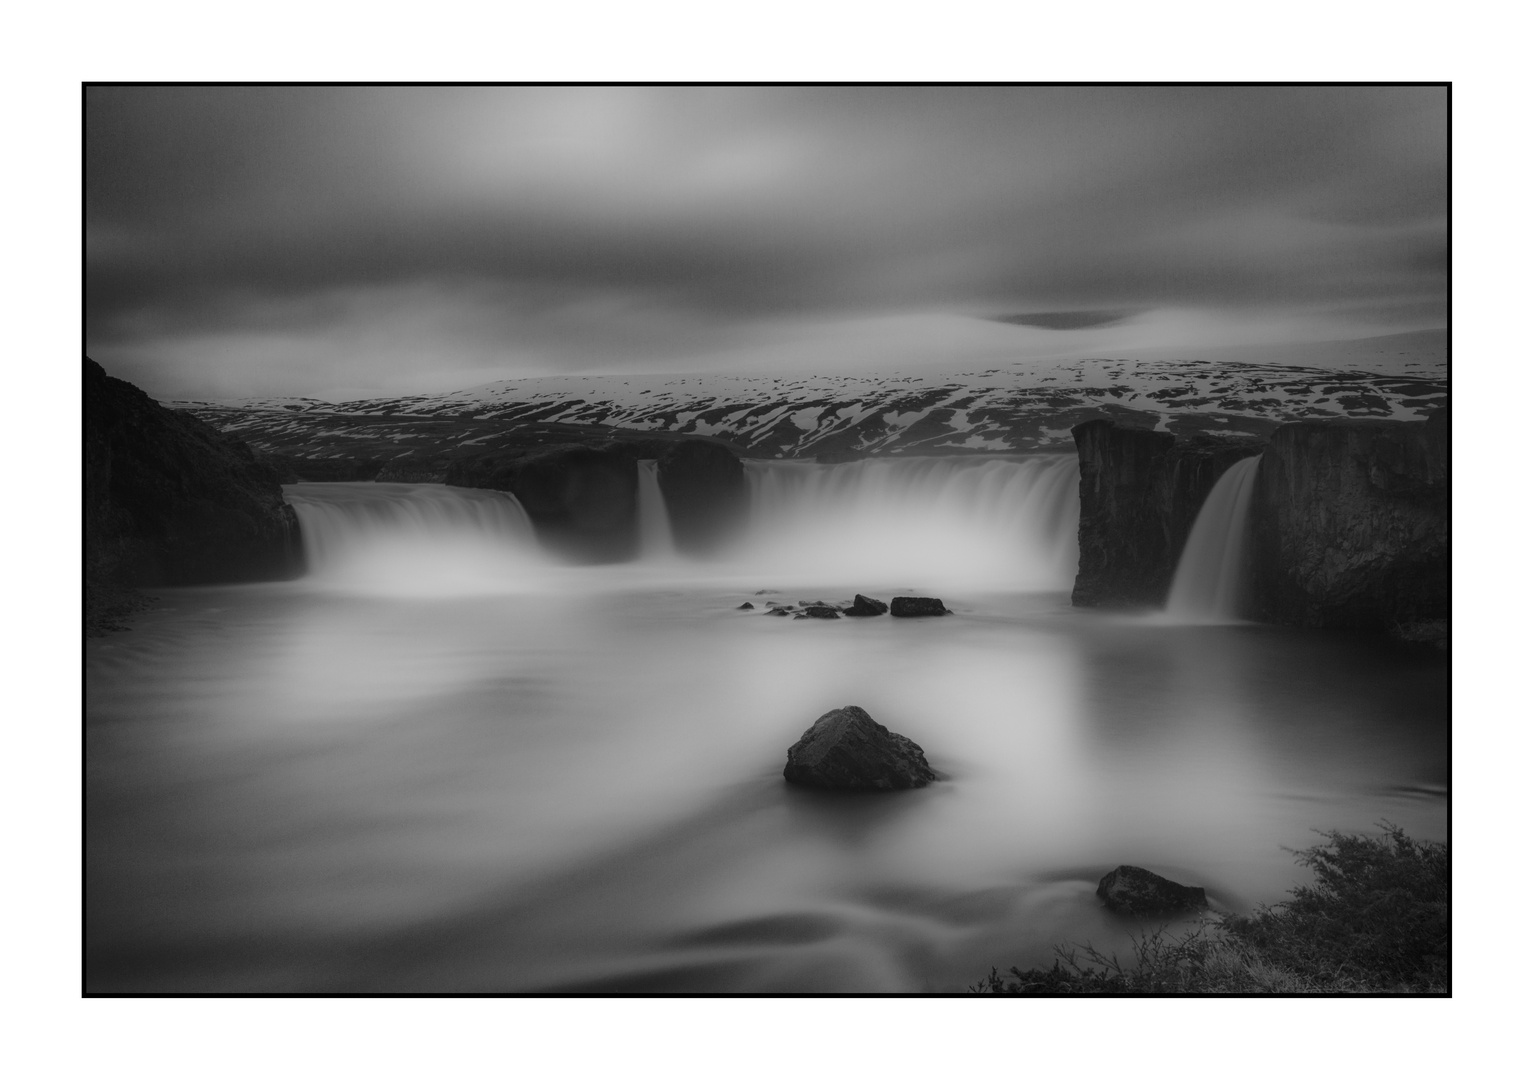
{"x": 570, "y": 778}
{"x": 988, "y": 522}
{"x": 1210, "y": 582}
{"x": 655, "y": 542}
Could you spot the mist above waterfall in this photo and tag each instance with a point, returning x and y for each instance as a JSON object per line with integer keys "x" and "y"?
{"x": 893, "y": 525}
{"x": 926, "y": 522}
{"x": 421, "y": 539}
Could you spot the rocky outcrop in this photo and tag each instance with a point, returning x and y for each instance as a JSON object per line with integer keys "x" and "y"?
{"x": 704, "y": 484}
{"x": 1140, "y": 494}
{"x": 169, "y": 500}
{"x": 582, "y": 500}
{"x": 847, "y": 749}
{"x": 1351, "y": 524}
{"x": 1132, "y": 890}
{"x": 911, "y": 607}
{"x": 863, "y": 606}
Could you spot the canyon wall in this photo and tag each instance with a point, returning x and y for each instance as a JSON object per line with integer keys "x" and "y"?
{"x": 1140, "y": 494}
{"x": 1351, "y": 524}
{"x": 583, "y": 500}
{"x": 1350, "y": 520}
{"x": 169, "y": 500}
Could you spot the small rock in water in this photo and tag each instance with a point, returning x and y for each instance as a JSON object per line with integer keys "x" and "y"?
{"x": 847, "y": 749}
{"x": 907, "y": 607}
{"x": 747, "y": 606}
{"x": 1132, "y": 890}
{"x": 776, "y": 611}
{"x": 866, "y": 605}
{"x": 801, "y": 615}
{"x": 821, "y": 611}
{"x": 765, "y": 592}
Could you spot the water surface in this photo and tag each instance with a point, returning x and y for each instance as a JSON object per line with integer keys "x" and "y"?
{"x": 569, "y": 778}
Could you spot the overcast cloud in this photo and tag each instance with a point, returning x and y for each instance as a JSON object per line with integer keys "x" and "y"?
{"x": 340, "y": 242}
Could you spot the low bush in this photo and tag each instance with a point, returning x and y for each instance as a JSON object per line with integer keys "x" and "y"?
{"x": 1375, "y": 921}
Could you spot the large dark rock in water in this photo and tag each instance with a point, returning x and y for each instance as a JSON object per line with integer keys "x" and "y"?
{"x": 582, "y": 500}
{"x": 910, "y": 607}
{"x": 170, "y": 500}
{"x": 1141, "y": 492}
{"x": 847, "y": 749}
{"x": 704, "y": 484}
{"x": 1132, "y": 890}
{"x": 1351, "y": 523}
{"x": 866, "y": 605}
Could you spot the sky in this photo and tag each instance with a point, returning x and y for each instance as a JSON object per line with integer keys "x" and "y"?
{"x": 343, "y": 242}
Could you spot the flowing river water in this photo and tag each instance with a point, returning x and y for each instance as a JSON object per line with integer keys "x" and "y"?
{"x": 444, "y": 762}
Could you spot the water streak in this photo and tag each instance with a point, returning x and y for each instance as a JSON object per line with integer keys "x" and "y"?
{"x": 1008, "y": 523}
{"x": 655, "y": 543}
{"x": 1211, "y": 575}
{"x": 413, "y": 538}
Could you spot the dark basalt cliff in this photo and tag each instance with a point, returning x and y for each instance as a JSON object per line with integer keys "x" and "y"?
{"x": 705, "y": 489}
{"x": 1351, "y": 523}
{"x": 581, "y": 499}
{"x": 1140, "y": 494}
{"x": 169, "y": 500}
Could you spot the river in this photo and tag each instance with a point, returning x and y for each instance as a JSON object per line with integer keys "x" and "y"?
{"x": 444, "y": 762}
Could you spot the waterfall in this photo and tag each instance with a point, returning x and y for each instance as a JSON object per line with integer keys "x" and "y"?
{"x": 414, "y": 538}
{"x": 654, "y": 521}
{"x": 1210, "y": 579}
{"x": 997, "y": 522}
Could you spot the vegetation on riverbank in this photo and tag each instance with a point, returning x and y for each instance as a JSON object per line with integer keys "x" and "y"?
{"x": 108, "y": 606}
{"x": 1375, "y": 921}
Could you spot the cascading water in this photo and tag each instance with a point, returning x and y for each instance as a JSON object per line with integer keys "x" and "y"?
{"x": 994, "y": 522}
{"x": 1208, "y": 586}
{"x": 413, "y": 538}
{"x": 655, "y": 544}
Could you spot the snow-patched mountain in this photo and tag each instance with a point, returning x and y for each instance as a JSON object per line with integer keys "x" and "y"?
{"x": 1020, "y": 408}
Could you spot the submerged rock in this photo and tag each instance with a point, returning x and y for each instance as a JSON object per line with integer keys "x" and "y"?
{"x": 821, "y": 611}
{"x": 1132, "y": 890}
{"x": 847, "y": 749}
{"x": 907, "y": 607}
{"x": 777, "y": 611}
{"x": 866, "y": 605}
{"x": 747, "y": 606}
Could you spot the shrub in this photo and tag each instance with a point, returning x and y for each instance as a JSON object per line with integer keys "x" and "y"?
{"x": 1378, "y": 913}
{"x": 1375, "y": 921}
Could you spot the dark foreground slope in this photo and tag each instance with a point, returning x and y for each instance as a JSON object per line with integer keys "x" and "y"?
{"x": 169, "y": 500}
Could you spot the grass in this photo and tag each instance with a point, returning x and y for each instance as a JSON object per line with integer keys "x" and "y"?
{"x": 1375, "y": 921}
{"x": 108, "y": 605}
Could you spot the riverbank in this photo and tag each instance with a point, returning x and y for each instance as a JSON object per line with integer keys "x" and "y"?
{"x": 1376, "y": 921}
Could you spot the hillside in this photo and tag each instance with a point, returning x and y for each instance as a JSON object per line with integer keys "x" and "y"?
{"x": 1019, "y": 408}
